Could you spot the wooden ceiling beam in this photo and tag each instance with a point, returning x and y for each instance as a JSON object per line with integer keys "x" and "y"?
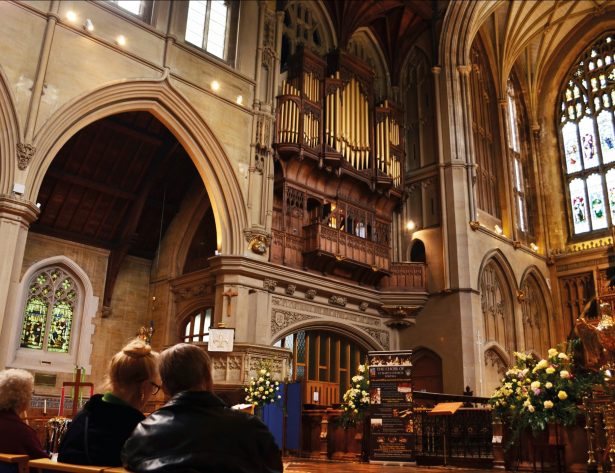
{"x": 135, "y": 134}
{"x": 90, "y": 184}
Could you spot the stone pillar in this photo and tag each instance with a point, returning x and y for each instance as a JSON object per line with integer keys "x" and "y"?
{"x": 16, "y": 215}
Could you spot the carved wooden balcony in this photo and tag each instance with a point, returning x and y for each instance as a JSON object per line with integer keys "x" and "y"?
{"x": 406, "y": 276}
{"x": 331, "y": 251}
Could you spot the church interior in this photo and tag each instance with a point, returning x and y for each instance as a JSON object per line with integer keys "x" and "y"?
{"x": 323, "y": 178}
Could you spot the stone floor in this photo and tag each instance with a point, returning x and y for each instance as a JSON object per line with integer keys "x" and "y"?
{"x": 302, "y": 465}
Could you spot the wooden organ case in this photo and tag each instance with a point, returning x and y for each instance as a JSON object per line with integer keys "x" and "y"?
{"x": 338, "y": 170}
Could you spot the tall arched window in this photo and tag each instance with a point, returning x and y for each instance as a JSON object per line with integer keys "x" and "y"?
{"x": 484, "y": 127}
{"x": 588, "y": 137}
{"x": 48, "y": 315}
{"x": 195, "y": 327}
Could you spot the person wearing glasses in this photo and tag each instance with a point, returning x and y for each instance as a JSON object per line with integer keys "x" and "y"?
{"x": 195, "y": 431}
{"x": 98, "y": 432}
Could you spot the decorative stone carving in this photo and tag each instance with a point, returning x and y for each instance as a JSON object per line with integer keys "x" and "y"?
{"x": 363, "y": 306}
{"x": 290, "y": 289}
{"x": 401, "y": 316}
{"x": 258, "y": 241}
{"x": 380, "y": 335}
{"x": 270, "y": 284}
{"x": 493, "y": 359}
{"x": 474, "y": 225}
{"x": 281, "y": 319}
{"x": 24, "y": 155}
{"x": 186, "y": 293}
{"x": 310, "y": 294}
{"x": 338, "y": 300}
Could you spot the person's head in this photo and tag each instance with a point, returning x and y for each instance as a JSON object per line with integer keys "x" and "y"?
{"x": 133, "y": 373}
{"x": 16, "y": 388}
{"x": 185, "y": 367}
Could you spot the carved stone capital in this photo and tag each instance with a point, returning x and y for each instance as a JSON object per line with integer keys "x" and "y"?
{"x": 24, "y": 155}
{"x": 474, "y": 224}
{"x": 18, "y": 209}
{"x": 310, "y": 294}
{"x": 290, "y": 289}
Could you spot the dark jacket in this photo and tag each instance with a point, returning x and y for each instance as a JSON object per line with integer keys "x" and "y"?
{"x": 97, "y": 433}
{"x": 196, "y": 432}
{"x": 17, "y": 437}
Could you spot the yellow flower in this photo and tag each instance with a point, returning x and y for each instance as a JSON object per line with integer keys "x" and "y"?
{"x": 531, "y": 408}
{"x": 548, "y": 404}
{"x": 535, "y": 385}
{"x": 562, "y": 356}
{"x": 562, "y": 395}
{"x": 550, "y": 370}
{"x": 564, "y": 374}
{"x": 552, "y": 352}
{"x": 548, "y": 385}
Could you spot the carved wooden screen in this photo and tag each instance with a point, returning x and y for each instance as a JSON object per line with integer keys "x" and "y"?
{"x": 485, "y": 129}
{"x": 575, "y": 291}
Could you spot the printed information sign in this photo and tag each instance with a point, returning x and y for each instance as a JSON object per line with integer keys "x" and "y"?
{"x": 391, "y": 406}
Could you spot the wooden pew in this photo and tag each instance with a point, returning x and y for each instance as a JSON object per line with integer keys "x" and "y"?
{"x": 14, "y": 463}
{"x": 45, "y": 464}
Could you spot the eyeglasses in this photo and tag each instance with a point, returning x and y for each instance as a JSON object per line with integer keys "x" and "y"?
{"x": 156, "y": 388}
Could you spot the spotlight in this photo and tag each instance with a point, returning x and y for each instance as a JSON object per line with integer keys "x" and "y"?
{"x": 534, "y": 246}
{"x": 239, "y": 99}
{"x": 71, "y": 16}
{"x": 121, "y": 40}
{"x": 410, "y": 225}
{"x": 215, "y": 86}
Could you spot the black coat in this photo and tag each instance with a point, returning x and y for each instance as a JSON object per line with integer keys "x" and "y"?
{"x": 108, "y": 427}
{"x": 196, "y": 432}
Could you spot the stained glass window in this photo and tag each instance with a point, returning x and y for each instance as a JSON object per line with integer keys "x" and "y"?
{"x": 49, "y": 311}
{"x": 588, "y": 137}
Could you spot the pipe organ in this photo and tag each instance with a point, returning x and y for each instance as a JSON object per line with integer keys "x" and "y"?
{"x": 338, "y": 174}
{"x": 326, "y": 112}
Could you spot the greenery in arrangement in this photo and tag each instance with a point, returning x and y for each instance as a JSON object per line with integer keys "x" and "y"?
{"x": 536, "y": 392}
{"x": 262, "y": 389}
{"x": 356, "y": 398}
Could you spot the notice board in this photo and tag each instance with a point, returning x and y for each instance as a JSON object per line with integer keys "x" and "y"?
{"x": 391, "y": 417}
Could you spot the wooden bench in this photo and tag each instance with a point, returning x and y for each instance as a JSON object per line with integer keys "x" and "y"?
{"x": 14, "y": 463}
{"x": 43, "y": 464}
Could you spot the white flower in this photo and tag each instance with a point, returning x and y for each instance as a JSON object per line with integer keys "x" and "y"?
{"x": 361, "y": 368}
{"x": 262, "y": 371}
{"x": 564, "y": 374}
{"x": 562, "y": 356}
{"x": 552, "y": 352}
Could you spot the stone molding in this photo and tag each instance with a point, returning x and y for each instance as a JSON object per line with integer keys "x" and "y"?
{"x": 18, "y": 209}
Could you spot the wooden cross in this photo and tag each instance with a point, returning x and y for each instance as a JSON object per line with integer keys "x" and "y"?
{"x": 77, "y": 385}
{"x": 230, "y": 293}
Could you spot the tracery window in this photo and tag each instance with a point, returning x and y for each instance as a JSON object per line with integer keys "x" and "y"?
{"x": 302, "y": 25}
{"x": 484, "y": 126}
{"x": 196, "y": 326}
{"x": 208, "y": 26}
{"x": 588, "y": 137}
{"x": 49, "y": 311}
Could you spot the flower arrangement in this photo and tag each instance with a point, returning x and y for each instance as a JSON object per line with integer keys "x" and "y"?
{"x": 536, "y": 392}
{"x": 356, "y": 398}
{"x": 263, "y": 389}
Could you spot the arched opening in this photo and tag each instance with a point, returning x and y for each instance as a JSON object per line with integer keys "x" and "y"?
{"x": 324, "y": 361}
{"x": 427, "y": 371}
{"x": 111, "y": 198}
{"x": 417, "y": 252}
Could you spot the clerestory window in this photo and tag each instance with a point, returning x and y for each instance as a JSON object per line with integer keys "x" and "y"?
{"x": 208, "y": 26}
{"x": 588, "y": 137}
{"x": 139, "y": 8}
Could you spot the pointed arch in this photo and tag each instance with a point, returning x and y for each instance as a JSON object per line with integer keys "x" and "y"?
{"x": 496, "y": 362}
{"x": 497, "y": 285}
{"x": 366, "y": 47}
{"x": 162, "y": 100}
{"x": 536, "y": 310}
{"x": 427, "y": 370}
{"x": 82, "y": 326}
{"x": 9, "y": 136}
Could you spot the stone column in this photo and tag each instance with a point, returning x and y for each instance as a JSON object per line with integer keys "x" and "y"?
{"x": 16, "y": 215}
